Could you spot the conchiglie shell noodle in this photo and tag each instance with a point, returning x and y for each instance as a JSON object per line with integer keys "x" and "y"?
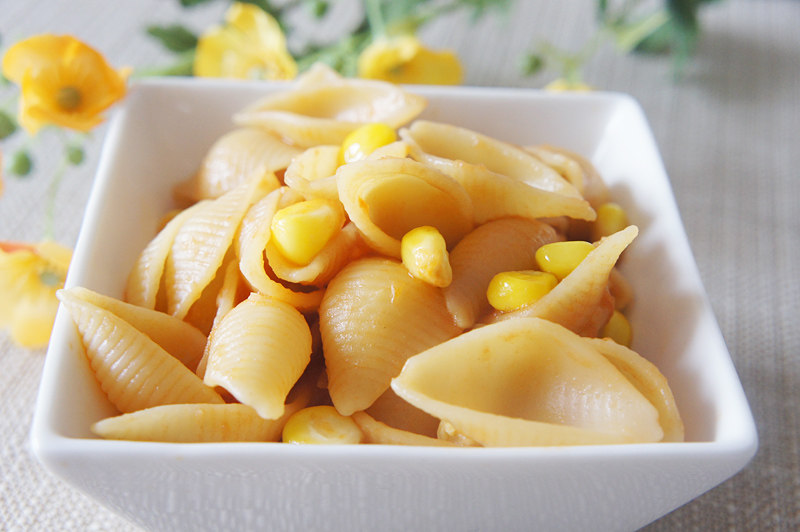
{"x": 178, "y": 338}
{"x": 460, "y": 144}
{"x": 231, "y": 293}
{"x": 251, "y": 243}
{"x": 374, "y": 316}
{"x": 237, "y": 157}
{"x": 576, "y": 169}
{"x": 324, "y": 109}
{"x": 311, "y": 173}
{"x": 527, "y": 382}
{"x": 202, "y": 243}
{"x": 145, "y": 277}
{"x": 575, "y": 301}
{"x": 646, "y": 377}
{"x": 257, "y": 353}
{"x": 133, "y": 370}
{"x": 200, "y": 423}
{"x": 496, "y": 195}
{"x": 507, "y": 244}
{"x": 191, "y": 424}
{"x": 388, "y": 197}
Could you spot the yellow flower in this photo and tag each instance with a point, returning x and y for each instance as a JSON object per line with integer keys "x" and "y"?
{"x": 250, "y": 45}
{"x": 63, "y": 81}
{"x": 564, "y": 85}
{"x": 405, "y": 60}
{"x": 29, "y": 278}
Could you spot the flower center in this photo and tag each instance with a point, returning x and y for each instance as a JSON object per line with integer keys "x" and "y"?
{"x": 68, "y": 98}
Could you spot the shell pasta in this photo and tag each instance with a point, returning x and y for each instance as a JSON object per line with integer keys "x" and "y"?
{"x": 340, "y": 271}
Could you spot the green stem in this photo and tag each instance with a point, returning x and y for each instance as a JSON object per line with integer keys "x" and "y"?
{"x": 375, "y": 17}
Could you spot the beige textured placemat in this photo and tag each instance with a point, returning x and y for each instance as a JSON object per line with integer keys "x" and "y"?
{"x": 728, "y": 133}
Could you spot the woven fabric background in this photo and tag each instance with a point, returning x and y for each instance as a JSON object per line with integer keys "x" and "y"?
{"x": 728, "y": 133}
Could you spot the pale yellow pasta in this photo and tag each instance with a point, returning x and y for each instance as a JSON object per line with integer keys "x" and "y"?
{"x": 324, "y": 107}
{"x": 133, "y": 370}
{"x": 374, "y": 316}
{"x": 203, "y": 311}
{"x": 398, "y": 149}
{"x": 394, "y": 411}
{"x": 281, "y": 290}
{"x": 388, "y": 197}
{"x": 496, "y": 195}
{"x": 447, "y": 432}
{"x": 230, "y": 294}
{"x": 507, "y": 244}
{"x": 251, "y": 242}
{"x": 461, "y": 144}
{"x": 257, "y": 352}
{"x": 577, "y": 299}
{"x": 575, "y": 168}
{"x": 312, "y": 173}
{"x": 201, "y": 423}
{"x": 187, "y": 423}
{"x": 376, "y": 432}
{"x": 202, "y": 242}
{"x": 567, "y": 167}
{"x": 145, "y": 277}
{"x": 620, "y": 289}
{"x": 646, "y": 377}
{"x": 178, "y": 338}
{"x": 527, "y": 382}
{"x": 236, "y": 157}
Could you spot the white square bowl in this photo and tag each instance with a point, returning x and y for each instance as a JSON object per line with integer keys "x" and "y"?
{"x": 158, "y": 138}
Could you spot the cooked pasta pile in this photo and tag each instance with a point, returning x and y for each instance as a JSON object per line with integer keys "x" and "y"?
{"x": 340, "y": 271}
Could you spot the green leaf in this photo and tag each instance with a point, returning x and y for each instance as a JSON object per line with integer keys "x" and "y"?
{"x": 317, "y": 8}
{"x": 531, "y": 63}
{"x": 7, "y": 125}
{"x": 21, "y": 164}
{"x": 174, "y": 37}
{"x": 183, "y": 66}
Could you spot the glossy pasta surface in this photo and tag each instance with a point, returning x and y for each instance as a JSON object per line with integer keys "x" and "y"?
{"x": 281, "y": 285}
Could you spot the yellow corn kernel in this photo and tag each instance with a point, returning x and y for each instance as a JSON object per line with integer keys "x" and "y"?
{"x": 611, "y": 218}
{"x": 301, "y": 230}
{"x": 321, "y": 424}
{"x": 560, "y": 258}
{"x": 364, "y": 140}
{"x": 424, "y": 254}
{"x": 512, "y": 290}
{"x": 618, "y": 329}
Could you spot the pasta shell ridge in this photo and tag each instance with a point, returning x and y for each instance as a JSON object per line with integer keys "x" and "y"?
{"x": 374, "y": 316}
{"x": 132, "y": 369}
{"x": 325, "y": 108}
{"x": 202, "y": 242}
{"x": 257, "y": 352}
{"x": 236, "y": 157}
{"x": 180, "y": 339}
{"x": 496, "y": 195}
{"x": 527, "y": 382}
